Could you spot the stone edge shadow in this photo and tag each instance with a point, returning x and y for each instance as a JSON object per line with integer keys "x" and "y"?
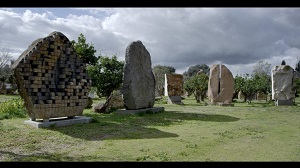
{"x": 138, "y": 111}
{"x": 220, "y": 104}
{"x": 59, "y": 122}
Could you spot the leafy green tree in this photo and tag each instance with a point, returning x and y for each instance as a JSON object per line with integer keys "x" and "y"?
{"x": 297, "y": 79}
{"x": 198, "y": 85}
{"x": 159, "y": 72}
{"x": 238, "y": 81}
{"x": 297, "y": 86}
{"x": 85, "y": 51}
{"x": 262, "y": 76}
{"x": 247, "y": 85}
{"x": 106, "y": 75}
{"x": 193, "y": 70}
{"x": 263, "y": 84}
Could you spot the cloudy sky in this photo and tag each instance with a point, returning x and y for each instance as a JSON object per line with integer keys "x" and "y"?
{"x": 178, "y": 37}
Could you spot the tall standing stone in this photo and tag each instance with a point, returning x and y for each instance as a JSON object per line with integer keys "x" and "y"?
{"x": 220, "y": 84}
{"x": 138, "y": 79}
{"x": 174, "y": 88}
{"x": 282, "y": 85}
{"x": 51, "y": 78}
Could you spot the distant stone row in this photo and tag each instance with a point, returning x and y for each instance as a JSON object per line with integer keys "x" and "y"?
{"x": 53, "y": 80}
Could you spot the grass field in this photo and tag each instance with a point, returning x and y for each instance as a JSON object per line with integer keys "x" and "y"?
{"x": 258, "y": 131}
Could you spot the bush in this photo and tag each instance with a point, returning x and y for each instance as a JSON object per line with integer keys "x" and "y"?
{"x": 13, "y": 108}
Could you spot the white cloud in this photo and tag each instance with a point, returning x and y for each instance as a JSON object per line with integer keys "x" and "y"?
{"x": 178, "y": 37}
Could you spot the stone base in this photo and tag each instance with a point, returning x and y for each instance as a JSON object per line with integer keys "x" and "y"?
{"x": 59, "y": 122}
{"x": 220, "y": 104}
{"x": 174, "y": 100}
{"x": 284, "y": 102}
{"x": 152, "y": 110}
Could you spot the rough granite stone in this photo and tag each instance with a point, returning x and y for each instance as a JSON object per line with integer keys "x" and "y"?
{"x": 282, "y": 83}
{"x": 220, "y": 85}
{"x": 138, "y": 87}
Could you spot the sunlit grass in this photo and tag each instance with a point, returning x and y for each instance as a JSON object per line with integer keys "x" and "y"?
{"x": 258, "y": 131}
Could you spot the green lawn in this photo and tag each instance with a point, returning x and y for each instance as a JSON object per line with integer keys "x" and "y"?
{"x": 191, "y": 132}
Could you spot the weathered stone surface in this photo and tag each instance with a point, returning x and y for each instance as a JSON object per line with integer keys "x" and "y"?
{"x": 282, "y": 83}
{"x": 174, "y": 88}
{"x": 174, "y": 100}
{"x": 220, "y": 84}
{"x": 51, "y": 78}
{"x": 114, "y": 101}
{"x": 100, "y": 107}
{"x": 241, "y": 95}
{"x": 284, "y": 102}
{"x": 138, "y": 87}
{"x": 173, "y": 84}
{"x": 261, "y": 96}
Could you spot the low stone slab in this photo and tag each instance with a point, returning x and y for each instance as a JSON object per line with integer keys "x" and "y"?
{"x": 152, "y": 110}
{"x": 220, "y": 104}
{"x": 59, "y": 122}
{"x": 284, "y": 103}
{"x": 175, "y": 100}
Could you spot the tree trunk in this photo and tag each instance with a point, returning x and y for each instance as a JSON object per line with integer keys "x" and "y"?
{"x": 197, "y": 96}
{"x": 234, "y": 95}
{"x": 203, "y": 95}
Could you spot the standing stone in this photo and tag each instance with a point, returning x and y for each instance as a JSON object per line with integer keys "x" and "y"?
{"x": 51, "y": 78}
{"x": 174, "y": 88}
{"x": 138, "y": 79}
{"x": 282, "y": 85}
{"x": 220, "y": 85}
{"x": 261, "y": 96}
{"x": 241, "y": 95}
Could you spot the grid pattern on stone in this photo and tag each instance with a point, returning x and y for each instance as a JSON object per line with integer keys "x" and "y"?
{"x": 174, "y": 84}
{"x": 52, "y": 79}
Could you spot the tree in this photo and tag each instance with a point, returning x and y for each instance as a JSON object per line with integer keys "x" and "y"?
{"x": 192, "y": 70}
{"x": 263, "y": 84}
{"x": 262, "y": 76}
{"x": 246, "y": 84}
{"x": 238, "y": 80}
{"x": 261, "y": 68}
{"x": 85, "y": 51}
{"x": 159, "y": 72}
{"x": 198, "y": 85}
{"x": 297, "y": 79}
{"x": 106, "y": 75}
{"x": 283, "y": 62}
{"x": 297, "y": 68}
{"x": 297, "y": 86}
{"x": 5, "y": 61}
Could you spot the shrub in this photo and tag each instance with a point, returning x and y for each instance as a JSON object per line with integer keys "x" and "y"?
{"x": 13, "y": 108}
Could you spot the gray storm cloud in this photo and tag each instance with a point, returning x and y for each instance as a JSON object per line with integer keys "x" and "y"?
{"x": 178, "y": 37}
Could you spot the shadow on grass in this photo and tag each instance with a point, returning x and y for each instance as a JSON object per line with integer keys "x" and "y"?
{"x": 41, "y": 156}
{"x": 116, "y": 126}
{"x": 236, "y": 104}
